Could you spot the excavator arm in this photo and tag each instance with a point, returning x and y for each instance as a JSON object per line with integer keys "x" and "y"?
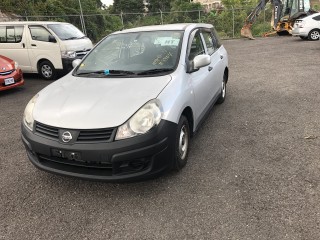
{"x": 251, "y": 18}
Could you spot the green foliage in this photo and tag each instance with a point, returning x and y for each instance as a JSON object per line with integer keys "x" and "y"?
{"x": 128, "y": 6}
{"x": 101, "y": 21}
{"x": 155, "y": 5}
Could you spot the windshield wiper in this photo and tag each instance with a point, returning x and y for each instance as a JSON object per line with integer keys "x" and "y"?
{"x": 90, "y": 73}
{"x": 120, "y": 73}
{"x": 71, "y": 38}
{"x": 156, "y": 70}
{"x": 107, "y": 73}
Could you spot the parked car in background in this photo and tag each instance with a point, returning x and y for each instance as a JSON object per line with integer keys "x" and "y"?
{"x": 46, "y": 48}
{"x": 308, "y": 27}
{"x": 10, "y": 74}
{"x": 129, "y": 108}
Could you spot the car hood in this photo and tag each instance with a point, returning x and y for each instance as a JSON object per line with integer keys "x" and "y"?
{"x": 89, "y": 103}
{"x": 77, "y": 44}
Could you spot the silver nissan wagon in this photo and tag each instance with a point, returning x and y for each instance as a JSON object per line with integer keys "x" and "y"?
{"x": 128, "y": 109}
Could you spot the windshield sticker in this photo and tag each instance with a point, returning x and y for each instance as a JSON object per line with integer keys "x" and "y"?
{"x": 167, "y": 41}
{"x": 107, "y": 72}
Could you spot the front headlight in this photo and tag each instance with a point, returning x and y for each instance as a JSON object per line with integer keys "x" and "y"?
{"x": 68, "y": 54}
{"x": 16, "y": 65}
{"x": 28, "y": 113}
{"x": 142, "y": 121}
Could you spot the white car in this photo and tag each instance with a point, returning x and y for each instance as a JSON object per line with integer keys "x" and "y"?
{"x": 308, "y": 27}
{"x": 129, "y": 108}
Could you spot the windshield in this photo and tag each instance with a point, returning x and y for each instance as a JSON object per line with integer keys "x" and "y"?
{"x": 134, "y": 54}
{"x": 66, "y": 31}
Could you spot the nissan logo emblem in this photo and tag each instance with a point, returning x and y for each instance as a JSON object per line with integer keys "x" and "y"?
{"x": 66, "y": 137}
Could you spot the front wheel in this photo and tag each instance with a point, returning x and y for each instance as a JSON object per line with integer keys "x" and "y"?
{"x": 223, "y": 92}
{"x": 314, "y": 35}
{"x": 181, "y": 144}
{"x": 47, "y": 70}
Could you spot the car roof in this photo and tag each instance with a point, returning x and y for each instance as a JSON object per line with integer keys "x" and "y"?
{"x": 166, "y": 27}
{"x": 31, "y": 23}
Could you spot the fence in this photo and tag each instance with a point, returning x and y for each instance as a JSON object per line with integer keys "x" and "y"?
{"x": 228, "y": 22}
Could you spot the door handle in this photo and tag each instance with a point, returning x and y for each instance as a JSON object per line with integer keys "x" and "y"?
{"x": 210, "y": 68}
{"x": 23, "y": 45}
{"x": 33, "y": 45}
{"x": 221, "y": 56}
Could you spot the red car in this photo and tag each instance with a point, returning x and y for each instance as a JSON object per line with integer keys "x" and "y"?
{"x": 10, "y": 74}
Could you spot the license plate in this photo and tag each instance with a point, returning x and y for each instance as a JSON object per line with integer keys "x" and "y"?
{"x": 75, "y": 156}
{"x": 8, "y": 81}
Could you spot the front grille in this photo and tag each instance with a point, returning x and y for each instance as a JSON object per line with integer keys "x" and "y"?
{"x": 47, "y": 131}
{"x": 100, "y": 135}
{"x": 91, "y": 136}
{"x": 87, "y": 164}
{"x": 81, "y": 54}
{"x": 6, "y": 73}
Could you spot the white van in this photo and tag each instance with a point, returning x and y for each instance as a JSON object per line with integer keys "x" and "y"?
{"x": 46, "y": 48}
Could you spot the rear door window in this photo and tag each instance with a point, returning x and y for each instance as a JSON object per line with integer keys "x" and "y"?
{"x": 11, "y": 34}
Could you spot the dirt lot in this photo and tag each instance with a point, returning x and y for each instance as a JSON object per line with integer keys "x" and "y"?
{"x": 253, "y": 171}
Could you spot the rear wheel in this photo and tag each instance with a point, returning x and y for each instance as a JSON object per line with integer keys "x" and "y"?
{"x": 181, "y": 144}
{"x": 47, "y": 70}
{"x": 314, "y": 35}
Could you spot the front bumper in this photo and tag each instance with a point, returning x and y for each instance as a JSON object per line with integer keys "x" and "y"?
{"x": 18, "y": 80}
{"x": 131, "y": 159}
{"x": 67, "y": 64}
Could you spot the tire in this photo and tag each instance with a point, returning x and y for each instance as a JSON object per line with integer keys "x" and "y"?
{"x": 314, "y": 35}
{"x": 47, "y": 70}
{"x": 182, "y": 142}
{"x": 223, "y": 92}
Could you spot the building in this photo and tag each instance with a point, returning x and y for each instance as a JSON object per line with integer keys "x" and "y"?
{"x": 209, "y": 4}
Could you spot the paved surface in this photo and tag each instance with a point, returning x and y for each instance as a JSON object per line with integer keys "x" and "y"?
{"x": 253, "y": 171}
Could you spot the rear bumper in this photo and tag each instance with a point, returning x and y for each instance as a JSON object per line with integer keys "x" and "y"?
{"x": 297, "y": 32}
{"x": 137, "y": 158}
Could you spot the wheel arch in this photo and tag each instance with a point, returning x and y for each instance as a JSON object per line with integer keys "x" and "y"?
{"x": 314, "y": 29}
{"x": 188, "y": 113}
{"x": 226, "y": 74}
{"x": 41, "y": 60}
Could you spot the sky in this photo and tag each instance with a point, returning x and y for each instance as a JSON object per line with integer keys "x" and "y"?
{"x": 107, "y": 2}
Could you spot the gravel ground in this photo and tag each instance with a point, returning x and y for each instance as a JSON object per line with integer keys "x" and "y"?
{"x": 253, "y": 170}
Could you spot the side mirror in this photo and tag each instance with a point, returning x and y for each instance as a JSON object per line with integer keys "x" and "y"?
{"x": 76, "y": 62}
{"x": 201, "y": 61}
{"x": 52, "y": 39}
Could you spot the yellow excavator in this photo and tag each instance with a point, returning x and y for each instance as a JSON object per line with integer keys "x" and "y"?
{"x": 284, "y": 14}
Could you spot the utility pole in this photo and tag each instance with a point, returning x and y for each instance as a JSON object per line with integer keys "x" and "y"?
{"x": 82, "y": 20}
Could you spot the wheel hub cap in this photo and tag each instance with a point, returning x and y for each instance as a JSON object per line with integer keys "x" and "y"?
{"x": 46, "y": 71}
{"x": 183, "y": 142}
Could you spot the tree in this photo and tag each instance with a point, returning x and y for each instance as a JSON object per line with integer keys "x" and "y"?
{"x": 156, "y": 5}
{"x": 128, "y": 6}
